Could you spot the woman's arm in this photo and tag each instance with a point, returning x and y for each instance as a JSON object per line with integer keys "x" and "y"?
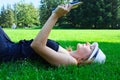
{"x": 39, "y": 43}
{"x": 42, "y": 36}
{"x": 45, "y": 31}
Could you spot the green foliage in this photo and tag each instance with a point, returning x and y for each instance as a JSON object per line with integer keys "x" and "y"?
{"x": 23, "y": 15}
{"x": 7, "y": 17}
{"x": 26, "y": 15}
{"x": 95, "y": 14}
{"x": 91, "y": 14}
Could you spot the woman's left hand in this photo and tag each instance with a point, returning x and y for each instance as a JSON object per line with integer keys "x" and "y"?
{"x": 62, "y": 10}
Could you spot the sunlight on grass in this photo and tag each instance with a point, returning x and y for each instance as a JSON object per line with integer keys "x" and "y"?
{"x": 69, "y": 35}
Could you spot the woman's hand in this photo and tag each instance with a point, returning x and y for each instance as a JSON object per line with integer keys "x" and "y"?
{"x": 62, "y": 10}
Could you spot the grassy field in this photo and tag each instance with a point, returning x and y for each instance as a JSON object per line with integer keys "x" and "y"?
{"x": 109, "y": 42}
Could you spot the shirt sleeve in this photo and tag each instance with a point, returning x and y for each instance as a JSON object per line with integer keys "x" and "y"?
{"x": 53, "y": 44}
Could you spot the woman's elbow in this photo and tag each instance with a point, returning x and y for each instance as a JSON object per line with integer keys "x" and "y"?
{"x": 37, "y": 44}
{"x": 34, "y": 45}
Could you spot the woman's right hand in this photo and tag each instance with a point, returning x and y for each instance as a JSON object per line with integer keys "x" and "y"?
{"x": 62, "y": 10}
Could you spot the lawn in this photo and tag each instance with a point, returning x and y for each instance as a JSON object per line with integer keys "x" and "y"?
{"x": 109, "y": 42}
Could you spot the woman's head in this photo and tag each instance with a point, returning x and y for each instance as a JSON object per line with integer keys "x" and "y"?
{"x": 83, "y": 51}
{"x": 89, "y": 52}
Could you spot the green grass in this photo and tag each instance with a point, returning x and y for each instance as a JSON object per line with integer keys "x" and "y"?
{"x": 109, "y": 42}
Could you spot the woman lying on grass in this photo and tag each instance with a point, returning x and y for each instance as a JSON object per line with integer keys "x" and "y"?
{"x": 48, "y": 49}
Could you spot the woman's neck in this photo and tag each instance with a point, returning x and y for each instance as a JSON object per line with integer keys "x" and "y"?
{"x": 73, "y": 53}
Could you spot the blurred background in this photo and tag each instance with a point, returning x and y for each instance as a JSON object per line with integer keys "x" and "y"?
{"x": 92, "y": 14}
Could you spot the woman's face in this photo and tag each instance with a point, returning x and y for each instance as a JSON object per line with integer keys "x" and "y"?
{"x": 84, "y": 50}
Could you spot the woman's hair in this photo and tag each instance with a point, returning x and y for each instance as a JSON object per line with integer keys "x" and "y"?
{"x": 69, "y": 48}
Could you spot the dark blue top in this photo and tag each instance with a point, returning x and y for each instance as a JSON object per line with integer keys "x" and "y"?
{"x": 14, "y": 51}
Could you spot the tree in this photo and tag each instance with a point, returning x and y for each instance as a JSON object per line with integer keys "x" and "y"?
{"x": 116, "y": 17}
{"x": 26, "y": 15}
{"x": 2, "y": 16}
{"x": 95, "y": 14}
{"x": 6, "y": 18}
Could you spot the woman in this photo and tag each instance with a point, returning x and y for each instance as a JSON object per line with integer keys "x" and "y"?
{"x": 50, "y": 50}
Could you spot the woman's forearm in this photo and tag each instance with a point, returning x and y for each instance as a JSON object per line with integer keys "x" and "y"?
{"x": 42, "y": 36}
